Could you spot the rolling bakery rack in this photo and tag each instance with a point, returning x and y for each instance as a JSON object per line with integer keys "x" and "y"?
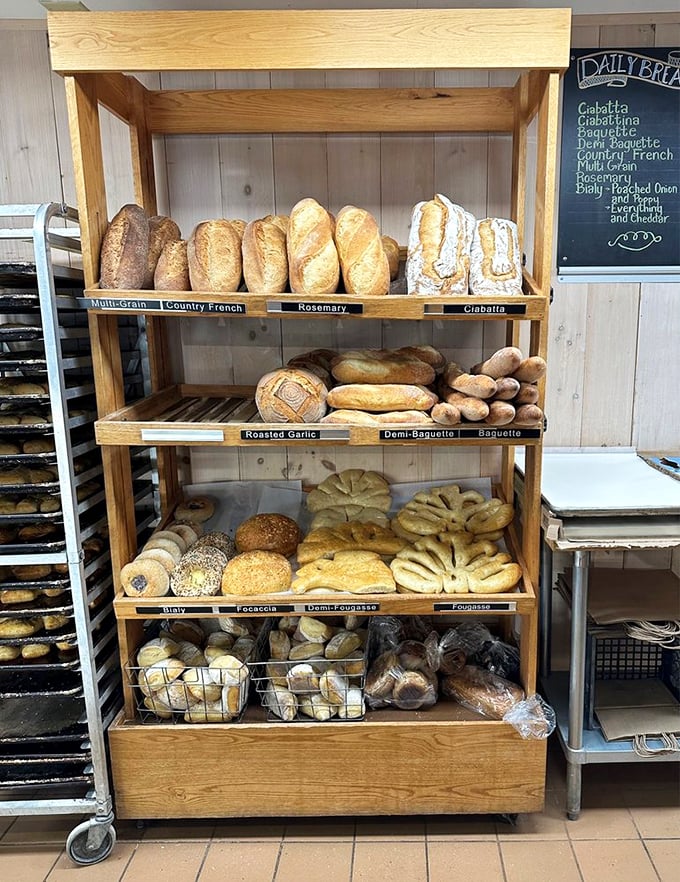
{"x": 447, "y": 760}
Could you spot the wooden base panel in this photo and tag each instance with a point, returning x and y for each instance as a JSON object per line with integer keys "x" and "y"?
{"x": 372, "y": 767}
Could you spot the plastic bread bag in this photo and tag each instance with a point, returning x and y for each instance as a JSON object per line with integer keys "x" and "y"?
{"x": 498, "y": 657}
{"x": 402, "y": 678}
{"x": 533, "y": 718}
{"x": 386, "y": 632}
{"x": 448, "y": 653}
{"x": 480, "y": 690}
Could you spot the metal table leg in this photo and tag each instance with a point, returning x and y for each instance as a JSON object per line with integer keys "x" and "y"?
{"x": 545, "y": 609}
{"x": 579, "y": 607}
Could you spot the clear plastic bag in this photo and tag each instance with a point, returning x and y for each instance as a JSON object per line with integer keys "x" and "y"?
{"x": 449, "y": 653}
{"x": 532, "y": 718}
{"x": 482, "y": 691}
{"x": 498, "y": 657}
{"x": 401, "y": 677}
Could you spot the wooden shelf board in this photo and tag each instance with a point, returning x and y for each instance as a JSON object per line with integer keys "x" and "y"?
{"x": 244, "y": 304}
{"x": 226, "y": 416}
{"x": 445, "y": 760}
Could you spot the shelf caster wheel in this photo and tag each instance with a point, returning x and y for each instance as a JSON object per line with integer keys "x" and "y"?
{"x": 510, "y": 819}
{"x": 573, "y": 816}
{"x": 90, "y": 842}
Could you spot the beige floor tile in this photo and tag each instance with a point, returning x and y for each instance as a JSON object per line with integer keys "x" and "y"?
{"x": 109, "y": 870}
{"x": 611, "y": 821}
{"x": 41, "y": 828}
{"x": 315, "y": 862}
{"x": 614, "y": 862}
{"x": 179, "y": 861}
{"x": 29, "y": 863}
{"x": 318, "y": 829}
{"x": 537, "y": 861}
{"x": 393, "y": 829}
{"x": 656, "y": 813}
{"x": 548, "y": 824}
{"x": 665, "y": 855}
{"x": 442, "y": 828}
{"x": 178, "y": 830}
{"x": 240, "y": 862}
{"x": 389, "y": 861}
{"x": 480, "y": 861}
{"x": 255, "y": 830}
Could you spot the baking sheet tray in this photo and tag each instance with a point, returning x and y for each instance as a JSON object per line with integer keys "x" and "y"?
{"x": 54, "y": 715}
{"x": 596, "y": 481}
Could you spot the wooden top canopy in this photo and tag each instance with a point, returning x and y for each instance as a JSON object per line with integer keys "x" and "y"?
{"x": 368, "y": 39}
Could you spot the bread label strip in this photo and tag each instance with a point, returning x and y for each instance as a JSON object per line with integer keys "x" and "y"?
{"x": 294, "y": 434}
{"x": 180, "y": 435}
{"x": 475, "y": 309}
{"x": 198, "y": 307}
{"x": 336, "y": 607}
{"x": 308, "y": 307}
{"x": 168, "y": 610}
{"x": 491, "y": 606}
{"x": 456, "y": 434}
{"x": 218, "y": 610}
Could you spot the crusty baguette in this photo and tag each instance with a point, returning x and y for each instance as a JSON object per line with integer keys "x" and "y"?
{"x": 381, "y": 397}
{"x": 362, "y": 418}
{"x": 476, "y": 385}
{"x": 500, "y": 413}
{"x": 502, "y": 363}
{"x": 530, "y": 370}
{"x": 313, "y": 263}
{"x": 446, "y": 414}
{"x": 381, "y": 366}
{"x": 470, "y": 408}
{"x": 526, "y": 394}
{"x": 506, "y": 388}
{"x": 364, "y": 264}
{"x": 529, "y": 415}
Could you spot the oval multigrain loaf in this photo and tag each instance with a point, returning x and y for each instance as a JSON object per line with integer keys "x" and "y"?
{"x": 265, "y": 260}
{"x": 125, "y": 250}
{"x": 291, "y": 395}
{"x": 161, "y": 231}
{"x": 364, "y": 264}
{"x": 214, "y": 256}
{"x": 172, "y": 269}
{"x": 313, "y": 263}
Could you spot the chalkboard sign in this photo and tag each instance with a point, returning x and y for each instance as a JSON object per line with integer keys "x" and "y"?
{"x": 619, "y": 209}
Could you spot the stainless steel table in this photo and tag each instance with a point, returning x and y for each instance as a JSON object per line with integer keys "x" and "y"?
{"x": 593, "y": 499}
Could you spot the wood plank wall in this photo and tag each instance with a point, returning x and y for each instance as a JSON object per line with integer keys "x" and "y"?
{"x": 613, "y": 365}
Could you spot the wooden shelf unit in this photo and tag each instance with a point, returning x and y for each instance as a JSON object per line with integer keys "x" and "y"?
{"x": 435, "y": 762}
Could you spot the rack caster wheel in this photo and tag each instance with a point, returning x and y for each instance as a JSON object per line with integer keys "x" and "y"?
{"x": 90, "y": 842}
{"x": 510, "y": 819}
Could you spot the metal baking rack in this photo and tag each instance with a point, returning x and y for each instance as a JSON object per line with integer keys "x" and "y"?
{"x": 56, "y": 703}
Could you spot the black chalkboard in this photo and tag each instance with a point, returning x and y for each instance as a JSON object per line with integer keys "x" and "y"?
{"x": 619, "y": 206}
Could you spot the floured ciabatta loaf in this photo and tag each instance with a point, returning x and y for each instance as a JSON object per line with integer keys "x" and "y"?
{"x": 495, "y": 258}
{"x": 438, "y": 259}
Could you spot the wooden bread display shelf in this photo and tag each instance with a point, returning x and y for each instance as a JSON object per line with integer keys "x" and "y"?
{"x": 226, "y": 416}
{"x": 442, "y": 760}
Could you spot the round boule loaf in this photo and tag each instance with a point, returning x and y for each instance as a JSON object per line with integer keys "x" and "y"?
{"x": 256, "y": 572}
{"x": 291, "y": 395}
{"x": 269, "y": 532}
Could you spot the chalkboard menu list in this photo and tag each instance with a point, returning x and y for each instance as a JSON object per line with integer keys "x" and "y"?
{"x": 619, "y": 204}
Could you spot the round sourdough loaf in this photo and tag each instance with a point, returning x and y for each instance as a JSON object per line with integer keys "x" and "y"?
{"x": 291, "y": 395}
{"x": 269, "y": 532}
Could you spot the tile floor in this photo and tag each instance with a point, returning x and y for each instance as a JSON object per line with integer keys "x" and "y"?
{"x": 629, "y": 831}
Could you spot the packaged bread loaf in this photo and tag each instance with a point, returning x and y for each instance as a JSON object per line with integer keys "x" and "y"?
{"x": 125, "y": 250}
{"x": 291, "y": 395}
{"x": 482, "y": 691}
{"x": 363, "y": 262}
{"x": 265, "y": 259}
{"x": 495, "y": 258}
{"x": 313, "y": 263}
{"x": 162, "y": 230}
{"x": 438, "y": 258}
{"x": 381, "y": 397}
{"x": 214, "y": 257}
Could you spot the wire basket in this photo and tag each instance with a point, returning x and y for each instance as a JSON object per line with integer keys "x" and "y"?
{"x": 313, "y": 690}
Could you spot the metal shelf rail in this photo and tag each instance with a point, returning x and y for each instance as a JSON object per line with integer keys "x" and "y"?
{"x": 44, "y": 770}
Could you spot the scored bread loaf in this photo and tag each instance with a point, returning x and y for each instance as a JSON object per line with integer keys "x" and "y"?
{"x": 161, "y": 231}
{"x": 381, "y": 397}
{"x": 391, "y": 249}
{"x": 313, "y": 263}
{"x": 364, "y": 264}
{"x": 291, "y": 395}
{"x": 381, "y": 366}
{"x": 477, "y": 385}
{"x": 172, "y": 269}
{"x": 265, "y": 260}
{"x": 125, "y": 249}
{"x": 438, "y": 259}
{"x": 502, "y": 363}
{"x": 363, "y": 418}
{"x": 214, "y": 256}
{"x": 495, "y": 258}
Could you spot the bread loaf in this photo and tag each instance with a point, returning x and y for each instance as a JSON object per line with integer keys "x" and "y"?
{"x": 291, "y": 395}
{"x": 279, "y": 220}
{"x": 239, "y": 225}
{"x": 428, "y": 354}
{"x": 356, "y": 572}
{"x": 214, "y": 257}
{"x": 256, "y": 572}
{"x": 391, "y": 249}
{"x": 265, "y": 260}
{"x": 438, "y": 259}
{"x": 530, "y": 370}
{"x": 477, "y": 385}
{"x": 268, "y": 532}
{"x": 529, "y": 415}
{"x": 172, "y": 269}
{"x": 313, "y": 263}
{"x": 381, "y": 397}
{"x": 506, "y": 388}
{"x": 495, "y": 258}
{"x": 482, "y": 691}
{"x": 502, "y": 363}
{"x": 351, "y": 486}
{"x": 363, "y": 418}
{"x": 446, "y": 414}
{"x": 161, "y": 231}
{"x": 500, "y": 413}
{"x": 381, "y": 366}
{"x": 125, "y": 250}
{"x": 364, "y": 264}
{"x": 470, "y": 408}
